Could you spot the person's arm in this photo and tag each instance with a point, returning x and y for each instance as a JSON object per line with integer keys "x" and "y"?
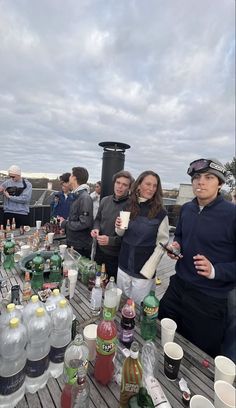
{"x": 149, "y": 268}
{"x": 23, "y": 198}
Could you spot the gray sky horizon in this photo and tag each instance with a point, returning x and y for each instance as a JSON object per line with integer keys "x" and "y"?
{"x": 157, "y": 75}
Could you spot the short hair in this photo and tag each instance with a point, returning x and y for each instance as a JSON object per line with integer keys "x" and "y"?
{"x": 64, "y": 178}
{"x": 81, "y": 174}
{"x": 123, "y": 173}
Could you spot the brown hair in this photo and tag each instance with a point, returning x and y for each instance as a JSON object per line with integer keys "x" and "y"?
{"x": 155, "y": 203}
{"x": 81, "y": 174}
{"x": 123, "y": 173}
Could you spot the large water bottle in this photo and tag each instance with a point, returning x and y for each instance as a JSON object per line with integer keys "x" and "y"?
{"x": 12, "y": 363}
{"x": 8, "y": 314}
{"x": 53, "y": 300}
{"x": 110, "y": 296}
{"x": 37, "y": 350}
{"x": 60, "y": 336}
{"x": 30, "y": 309}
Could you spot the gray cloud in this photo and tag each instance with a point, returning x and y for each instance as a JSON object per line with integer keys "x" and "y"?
{"x": 158, "y": 75}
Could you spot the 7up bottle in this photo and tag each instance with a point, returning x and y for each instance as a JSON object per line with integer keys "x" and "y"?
{"x": 8, "y": 252}
{"x": 55, "y": 268}
{"x": 37, "y": 272}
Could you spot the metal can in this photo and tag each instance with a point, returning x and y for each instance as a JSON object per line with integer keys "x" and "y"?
{"x": 73, "y": 327}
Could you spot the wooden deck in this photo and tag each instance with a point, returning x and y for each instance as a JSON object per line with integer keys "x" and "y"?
{"x": 165, "y": 270}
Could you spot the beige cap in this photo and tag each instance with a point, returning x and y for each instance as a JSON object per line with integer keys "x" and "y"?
{"x": 14, "y": 170}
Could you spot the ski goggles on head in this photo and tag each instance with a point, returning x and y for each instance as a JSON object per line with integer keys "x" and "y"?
{"x": 198, "y": 166}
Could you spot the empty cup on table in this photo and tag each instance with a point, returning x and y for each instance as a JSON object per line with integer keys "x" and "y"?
{"x": 90, "y": 336}
{"x": 38, "y": 224}
{"x": 62, "y": 250}
{"x": 125, "y": 216}
{"x": 224, "y": 395}
{"x": 72, "y": 275}
{"x": 224, "y": 369}
{"x": 168, "y": 329}
{"x": 118, "y": 297}
{"x": 173, "y": 354}
{"x": 50, "y": 237}
{"x": 198, "y": 401}
{"x": 25, "y": 250}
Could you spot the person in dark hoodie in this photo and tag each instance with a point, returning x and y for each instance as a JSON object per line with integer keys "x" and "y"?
{"x": 80, "y": 220}
{"x": 206, "y": 236}
{"x": 108, "y": 242}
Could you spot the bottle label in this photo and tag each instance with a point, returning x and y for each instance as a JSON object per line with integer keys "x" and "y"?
{"x": 109, "y": 312}
{"x": 70, "y": 371}
{"x": 51, "y": 307}
{"x": 126, "y": 335}
{"x": 37, "y": 368}
{"x": 156, "y": 393}
{"x": 106, "y": 347}
{"x": 56, "y": 354}
{"x": 151, "y": 312}
{"x": 8, "y": 385}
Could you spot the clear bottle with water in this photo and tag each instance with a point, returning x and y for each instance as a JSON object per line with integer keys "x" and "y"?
{"x": 53, "y": 300}
{"x": 81, "y": 391}
{"x": 30, "y": 309}
{"x": 110, "y": 296}
{"x": 38, "y": 348}
{"x": 61, "y": 319}
{"x": 12, "y": 363}
{"x": 8, "y": 314}
{"x": 96, "y": 297}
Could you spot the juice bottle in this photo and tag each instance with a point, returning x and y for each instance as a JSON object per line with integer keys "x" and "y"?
{"x": 127, "y": 323}
{"x": 131, "y": 376}
{"x": 106, "y": 348}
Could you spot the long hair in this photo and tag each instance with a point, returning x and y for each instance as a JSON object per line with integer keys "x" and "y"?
{"x": 155, "y": 203}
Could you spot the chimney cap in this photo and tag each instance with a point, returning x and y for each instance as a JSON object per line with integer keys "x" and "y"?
{"x": 114, "y": 146}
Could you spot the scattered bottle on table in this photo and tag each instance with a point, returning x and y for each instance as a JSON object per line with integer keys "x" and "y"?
{"x": 8, "y": 226}
{"x": 81, "y": 391}
{"x": 27, "y": 290}
{"x": 106, "y": 348}
{"x": 37, "y": 350}
{"x": 131, "y": 376}
{"x": 53, "y": 300}
{"x": 65, "y": 285}
{"x": 110, "y": 296}
{"x": 15, "y": 295}
{"x": 149, "y": 316}
{"x": 47, "y": 245}
{"x": 61, "y": 321}
{"x": 13, "y": 360}
{"x": 104, "y": 279}
{"x": 8, "y": 254}
{"x": 37, "y": 280}
{"x": 92, "y": 276}
{"x": 96, "y": 297}
{"x": 55, "y": 267}
{"x": 75, "y": 362}
{"x": 30, "y": 308}
{"x": 13, "y": 224}
{"x": 8, "y": 314}
{"x": 127, "y": 323}
{"x": 149, "y": 359}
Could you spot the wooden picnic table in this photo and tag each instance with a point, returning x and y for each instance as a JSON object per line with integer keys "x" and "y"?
{"x": 200, "y": 379}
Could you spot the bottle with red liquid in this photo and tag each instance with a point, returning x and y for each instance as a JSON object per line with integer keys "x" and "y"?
{"x": 106, "y": 348}
{"x": 127, "y": 323}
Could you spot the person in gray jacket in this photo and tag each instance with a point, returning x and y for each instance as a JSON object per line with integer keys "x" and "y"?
{"x": 80, "y": 220}
{"x": 108, "y": 242}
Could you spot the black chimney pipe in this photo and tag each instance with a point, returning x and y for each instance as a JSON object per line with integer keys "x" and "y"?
{"x": 112, "y": 162}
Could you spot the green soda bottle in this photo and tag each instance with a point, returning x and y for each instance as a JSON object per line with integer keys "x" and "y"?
{"x": 55, "y": 268}
{"x": 37, "y": 280}
{"x": 149, "y": 316}
{"x": 8, "y": 252}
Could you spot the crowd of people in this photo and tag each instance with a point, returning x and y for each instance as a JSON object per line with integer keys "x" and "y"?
{"x": 201, "y": 296}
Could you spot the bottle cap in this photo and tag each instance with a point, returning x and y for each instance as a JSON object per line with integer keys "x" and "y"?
{"x": 55, "y": 292}
{"x": 34, "y": 298}
{"x": 63, "y": 303}
{"x": 14, "y": 322}
{"x": 10, "y": 307}
{"x": 40, "y": 312}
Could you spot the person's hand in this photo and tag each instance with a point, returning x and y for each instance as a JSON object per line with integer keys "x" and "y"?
{"x": 174, "y": 245}
{"x": 61, "y": 219}
{"x": 94, "y": 233}
{"x": 6, "y": 194}
{"x": 118, "y": 222}
{"x": 1, "y": 189}
{"x": 203, "y": 265}
{"x": 103, "y": 240}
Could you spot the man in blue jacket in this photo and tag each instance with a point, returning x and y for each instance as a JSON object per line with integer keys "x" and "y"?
{"x": 206, "y": 236}
{"x": 60, "y": 206}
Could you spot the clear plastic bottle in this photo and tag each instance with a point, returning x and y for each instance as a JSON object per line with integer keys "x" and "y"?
{"x": 37, "y": 350}
{"x": 110, "y": 296}
{"x": 53, "y": 300}
{"x": 75, "y": 361}
{"x": 8, "y": 314}
{"x": 81, "y": 391}
{"x": 96, "y": 297}
{"x": 12, "y": 364}
{"x": 127, "y": 323}
{"x": 60, "y": 336}
{"x": 30, "y": 309}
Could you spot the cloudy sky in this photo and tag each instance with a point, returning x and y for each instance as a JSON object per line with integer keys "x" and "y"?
{"x": 155, "y": 74}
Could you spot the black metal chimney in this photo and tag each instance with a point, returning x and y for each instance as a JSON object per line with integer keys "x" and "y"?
{"x": 112, "y": 162}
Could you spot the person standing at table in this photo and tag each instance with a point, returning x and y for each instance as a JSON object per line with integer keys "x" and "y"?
{"x": 17, "y": 192}
{"x": 108, "y": 243}
{"x": 140, "y": 251}
{"x": 60, "y": 206}
{"x": 95, "y": 195}
{"x": 80, "y": 221}
{"x": 206, "y": 236}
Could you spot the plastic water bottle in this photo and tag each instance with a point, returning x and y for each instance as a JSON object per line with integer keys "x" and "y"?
{"x": 96, "y": 297}
{"x": 53, "y": 300}
{"x": 12, "y": 363}
{"x": 60, "y": 336}
{"x": 8, "y": 314}
{"x": 30, "y": 309}
{"x": 127, "y": 323}
{"x": 110, "y": 297}
{"x": 149, "y": 316}
{"x": 75, "y": 362}
{"x": 37, "y": 350}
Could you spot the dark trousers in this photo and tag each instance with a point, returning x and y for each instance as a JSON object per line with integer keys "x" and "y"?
{"x": 20, "y": 219}
{"x": 111, "y": 262}
{"x": 200, "y": 318}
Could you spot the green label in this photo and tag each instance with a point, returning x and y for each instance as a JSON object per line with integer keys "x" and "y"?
{"x": 106, "y": 347}
{"x": 70, "y": 373}
{"x": 151, "y": 312}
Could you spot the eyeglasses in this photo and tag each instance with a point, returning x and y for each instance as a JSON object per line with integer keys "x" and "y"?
{"x": 12, "y": 176}
{"x": 204, "y": 164}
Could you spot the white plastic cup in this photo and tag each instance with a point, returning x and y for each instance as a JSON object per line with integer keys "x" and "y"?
{"x": 62, "y": 249}
{"x": 224, "y": 369}
{"x": 118, "y": 297}
{"x": 90, "y": 336}
{"x": 72, "y": 275}
{"x": 38, "y": 224}
{"x": 25, "y": 250}
{"x": 224, "y": 395}
{"x": 125, "y": 216}
{"x": 198, "y": 401}
{"x": 50, "y": 237}
{"x": 168, "y": 329}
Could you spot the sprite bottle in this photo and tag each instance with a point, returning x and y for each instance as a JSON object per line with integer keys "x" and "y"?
{"x": 37, "y": 280}
{"x": 8, "y": 252}
{"x": 55, "y": 268}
